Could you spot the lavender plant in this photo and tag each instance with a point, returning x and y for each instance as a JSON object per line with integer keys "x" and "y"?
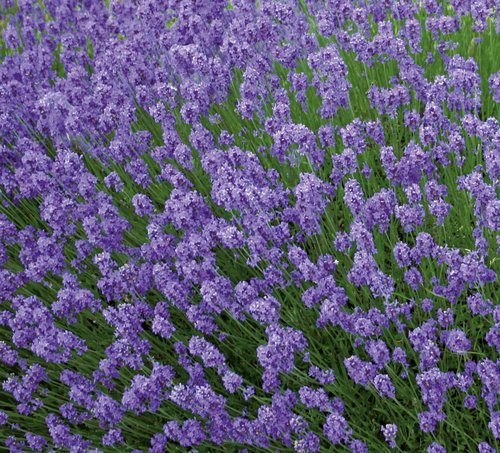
{"x": 238, "y": 226}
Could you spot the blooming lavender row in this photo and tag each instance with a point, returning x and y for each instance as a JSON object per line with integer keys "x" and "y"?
{"x": 249, "y": 226}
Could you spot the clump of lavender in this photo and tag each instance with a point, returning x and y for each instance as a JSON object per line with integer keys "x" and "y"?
{"x": 249, "y": 226}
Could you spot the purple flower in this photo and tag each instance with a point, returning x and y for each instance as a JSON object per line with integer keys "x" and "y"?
{"x": 427, "y": 305}
{"x": 402, "y": 254}
{"x": 278, "y": 355}
{"x": 359, "y": 371}
{"x": 495, "y": 86}
{"x": 324, "y": 377}
{"x": 410, "y": 216}
{"x": 336, "y": 429}
{"x": 311, "y": 200}
{"x": 446, "y": 317}
{"x": 470, "y": 402}
{"x": 414, "y": 278}
{"x": 378, "y": 351}
{"x": 384, "y": 385}
{"x": 265, "y": 310}
{"x": 232, "y": 381}
{"x": 479, "y": 306}
{"x": 35, "y": 441}
{"x": 112, "y": 437}
{"x": 209, "y": 354}
{"x": 485, "y": 447}
{"x": 456, "y": 341}
{"x": 429, "y": 420}
{"x": 388, "y": 100}
{"x": 436, "y": 448}
{"x": 310, "y": 443}
{"x": 390, "y": 431}
{"x": 113, "y": 181}
{"x": 494, "y": 424}
{"x": 342, "y": 242}
{"x": 108, "y": 411}
{"x": 142, "y": 204}
{"x": 312, "y": 398}
{"x": 161, "y": 324}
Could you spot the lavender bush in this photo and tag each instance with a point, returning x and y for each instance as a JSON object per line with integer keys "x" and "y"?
{"x": 239, "y": 226}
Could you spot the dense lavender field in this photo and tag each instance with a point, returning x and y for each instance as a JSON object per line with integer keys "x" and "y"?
{"x": 239, "y": 226}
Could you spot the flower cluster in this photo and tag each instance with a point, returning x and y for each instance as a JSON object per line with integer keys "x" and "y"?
{"x": 249, "y": 226}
